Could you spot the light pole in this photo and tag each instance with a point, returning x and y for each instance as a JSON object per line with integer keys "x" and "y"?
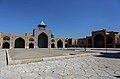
{"x": 49, "y": 46}
{"x": 85, "y": 48}
{"x": 49, "y": 49}
{"x": 106, "y": 49}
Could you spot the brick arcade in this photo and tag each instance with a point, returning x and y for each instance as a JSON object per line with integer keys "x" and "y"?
{"x": 43, "y": 38}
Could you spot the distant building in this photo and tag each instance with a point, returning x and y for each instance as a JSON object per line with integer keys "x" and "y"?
{"x": 43, "y": 38}
{"x": 101, "y": 39}
{"x": 40, "y": 38}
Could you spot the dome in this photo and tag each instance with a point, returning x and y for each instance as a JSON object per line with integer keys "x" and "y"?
{"x": 42, "y": 24}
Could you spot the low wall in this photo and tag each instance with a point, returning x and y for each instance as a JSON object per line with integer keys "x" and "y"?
{"x": 3, "y": 57}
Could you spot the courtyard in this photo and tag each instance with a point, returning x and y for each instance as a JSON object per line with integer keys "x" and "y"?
{"x": 59, "y": 64}
{"x": 21, "y": 56}
{"x": 59, "y": 39}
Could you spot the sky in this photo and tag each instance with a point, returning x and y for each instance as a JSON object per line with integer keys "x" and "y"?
{"x": 65, "y": 18}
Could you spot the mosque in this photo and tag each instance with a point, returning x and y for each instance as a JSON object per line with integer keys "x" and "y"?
{"x": 42, "y": 37}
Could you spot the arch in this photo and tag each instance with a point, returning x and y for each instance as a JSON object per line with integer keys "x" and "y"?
{"x": 31, "y": 39}
{"x": 99, "y": 41}
{"x": 20, "y": 43}
{"x": 6, "y": 45}
{"x": 52, "y": 40}
{"x": 59, "y": 44}
{"x": 6, "y": 38}
{"x": 109, "y": 42}
{"x": 117, "y": 45}
{"x": 89, "y": 41}
{"x": 52, "y": 45}
{"x": 43, "y": 41}
{"x": 31, "y": 45}
{"x": 66, "y": 45}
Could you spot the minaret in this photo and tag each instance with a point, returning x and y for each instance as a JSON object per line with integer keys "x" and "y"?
{"x": 42, "y": 25}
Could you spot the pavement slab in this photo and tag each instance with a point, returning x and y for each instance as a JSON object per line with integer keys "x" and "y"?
{"x": 78, "y": 67}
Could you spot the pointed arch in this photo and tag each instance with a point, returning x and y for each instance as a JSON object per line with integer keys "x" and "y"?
{"x": 52, "y": 40}
{"x": 66, "y": 45}
{"x": 109, "y": 42}
{"x": 19, "y": 43}
{"x": 31, "y": 45}
{"x": 43, "y": 40}
{"x": 31, "y": 39}
{"x": 52, "y": 45}
{"x": 59, "y": 44}
{"x": 99, "y": 41}
{"x": 6, "y": 45}
{"x": 6, "y": 38}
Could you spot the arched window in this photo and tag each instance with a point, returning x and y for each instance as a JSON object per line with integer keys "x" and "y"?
{"x": 7, "y": 38}
{"x": 31, "y": 39}
{"x": 52, "y": 40}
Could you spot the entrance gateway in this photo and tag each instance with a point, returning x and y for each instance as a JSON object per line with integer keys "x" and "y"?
{"x": 43, "y": 41}
{"x": 42, "y": 36}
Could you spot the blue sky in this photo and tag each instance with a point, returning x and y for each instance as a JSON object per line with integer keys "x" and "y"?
{"x": 66, "y": 18}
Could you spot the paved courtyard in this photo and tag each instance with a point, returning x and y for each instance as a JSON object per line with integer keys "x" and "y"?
{"x": 20, "y": 56}
{"x": 17, "y": 54}
{"x": 78, "y": 67}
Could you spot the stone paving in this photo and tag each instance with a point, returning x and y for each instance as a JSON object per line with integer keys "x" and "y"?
{"x": 20, "y": 56}
{"x": 17, "y": 54}
{"x": 2, "y": 57}
{"x": 86, "y": 67}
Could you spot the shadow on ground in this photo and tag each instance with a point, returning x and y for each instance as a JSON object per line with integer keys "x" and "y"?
{"x": 109, "y": 55}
